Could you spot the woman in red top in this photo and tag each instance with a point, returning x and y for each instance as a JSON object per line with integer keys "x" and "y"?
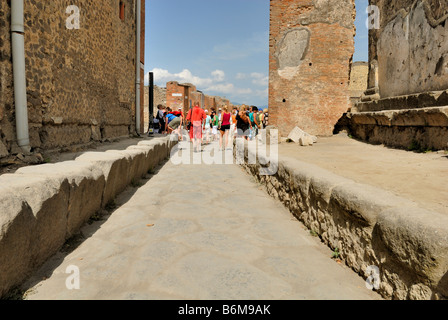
{"x": 196, "y": 116}
{"x": 226, "y": 118}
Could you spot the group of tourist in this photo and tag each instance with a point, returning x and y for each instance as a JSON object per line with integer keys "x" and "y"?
{"x": 221, "y": 125}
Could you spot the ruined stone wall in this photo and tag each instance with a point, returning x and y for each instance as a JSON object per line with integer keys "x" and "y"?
{"x": 311, "y": 47}
{"x": 179, "y": 95}
{"x": 220, "y": 102}
{"x": 80, "y": 83}
{"x": 358, "y": 80}
{"x": 405, "y": 104}
{"x": 410, "y": 46}
{"x": 159, "y": 98}
{"x": 209, "y": 102}
{"x": 196, "y": 97}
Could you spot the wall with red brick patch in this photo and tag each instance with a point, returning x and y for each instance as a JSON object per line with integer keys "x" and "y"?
{"x": 311, "y": 48}
{"x": 179, "y": 95}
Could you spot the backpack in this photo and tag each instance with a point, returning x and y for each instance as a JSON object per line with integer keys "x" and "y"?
{"x": 266, "y": 120}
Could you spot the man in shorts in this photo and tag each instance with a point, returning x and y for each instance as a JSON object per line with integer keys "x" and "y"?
{"x": 174, "y": 123}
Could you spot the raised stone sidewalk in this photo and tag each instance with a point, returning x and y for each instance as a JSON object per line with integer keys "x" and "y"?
{"x": 43, "y": 206}
{"x": 378, "y": 206}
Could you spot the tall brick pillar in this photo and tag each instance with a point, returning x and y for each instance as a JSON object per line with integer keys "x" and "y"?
{"x": 311, "y": 49}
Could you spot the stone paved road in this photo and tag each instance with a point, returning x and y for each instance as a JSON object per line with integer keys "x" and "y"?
{"x": 198, "y": 232}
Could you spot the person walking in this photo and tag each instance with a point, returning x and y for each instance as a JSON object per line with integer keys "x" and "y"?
{"x": 215, "y": 124}
{"x": 206, "y": 127}
{"x": 259, "y": 120}
{"x": 161, "y": 117}
{"x": 196, "y": 116}
{"x": 265, "y": 118}
{"x": 254, "y": 126}
{"x": 226, "y": 117}
{"x": 233, "y": 124}
{"x": 243, "y": 123}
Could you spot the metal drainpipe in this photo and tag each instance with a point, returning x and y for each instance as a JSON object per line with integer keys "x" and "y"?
{"x": 18, "y": 60}
{"x": 137, "y": 68}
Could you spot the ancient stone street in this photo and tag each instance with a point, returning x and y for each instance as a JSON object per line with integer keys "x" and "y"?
{"x": 197, "y": 232}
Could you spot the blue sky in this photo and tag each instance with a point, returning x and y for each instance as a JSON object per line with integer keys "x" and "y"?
{"x": 221, "y": 46}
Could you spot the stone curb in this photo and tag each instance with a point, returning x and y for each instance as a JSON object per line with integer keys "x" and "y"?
{"x": 369, "y": 227}
{"x": 43, "y": 206}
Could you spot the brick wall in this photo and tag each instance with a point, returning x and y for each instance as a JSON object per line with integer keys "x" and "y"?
{"x": 80, "y": 83}
{"x": 179, "y": 95}
{"x": 311, "y": 47}
{"x": 196, "y": 97}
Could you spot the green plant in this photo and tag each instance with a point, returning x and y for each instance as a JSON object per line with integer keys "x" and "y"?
{"x": 336, "y": 254}
{"x": 314, "y": 233}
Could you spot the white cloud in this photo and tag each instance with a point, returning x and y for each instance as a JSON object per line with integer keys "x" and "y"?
{"x": 260, "y": 79}
{"x": 221, "y": 88}
{"x": 240, "y": 76}
{"x": 218, "y": 75}
{"x": 213, "y": 85}
{"x": 262, "y": 93}
{"x": 163, "y": 76}
{"x": 244, "y": 91}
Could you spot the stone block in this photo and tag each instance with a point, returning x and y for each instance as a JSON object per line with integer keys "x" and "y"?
{"x": 16, "y": 223}
{"x": 299, "y": 136}
{"x": 33, "y": 223}
{"x": 306, "y": 141}
{"x": 137, "y": 163}
{"x": 115, "y": 168}
{"x": 86, "y": 186}
{"x": 365, "y": 203}
{"x": 417, "y": 239}
{"x": 147, "y": 163}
